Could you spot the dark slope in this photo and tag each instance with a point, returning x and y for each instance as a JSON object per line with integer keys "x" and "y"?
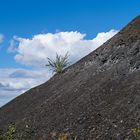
{"x": 96, "y": 98}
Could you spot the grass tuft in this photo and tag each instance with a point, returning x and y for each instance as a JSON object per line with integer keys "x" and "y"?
{"x": 59, "y": 64}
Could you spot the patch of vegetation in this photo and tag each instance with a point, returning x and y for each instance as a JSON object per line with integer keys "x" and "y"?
{"x": 59, "y": 64}
{"x": 26, "y": 134}
{"x": 136, "y": 133}
{"x": 11, "y": 133}
{"x": 62, "y": 136}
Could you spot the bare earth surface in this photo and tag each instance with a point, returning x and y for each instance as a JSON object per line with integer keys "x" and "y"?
{"x": 98, "y": 98}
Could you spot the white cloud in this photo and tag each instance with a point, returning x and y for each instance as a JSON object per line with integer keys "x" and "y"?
{"x": 1, "y": 38}
{"x": 34, "y": 51}
{"x": 6, "y": 96}
{"x": 21, "y": 79}
{"x": 13, "y": 82}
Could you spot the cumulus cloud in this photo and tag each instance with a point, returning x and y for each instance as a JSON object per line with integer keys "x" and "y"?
{"x": 1, "y": 38}
{"x": 6, "y": 96}
{"x": 21, "y": 79}
{"x": 34, "y": 51}
{"x": 13, "y": 82}
{"x": 12, "y": 46}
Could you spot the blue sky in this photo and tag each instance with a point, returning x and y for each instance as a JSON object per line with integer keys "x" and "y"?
{"x": 28, "y": 17}
{"x": 36, "y": 25}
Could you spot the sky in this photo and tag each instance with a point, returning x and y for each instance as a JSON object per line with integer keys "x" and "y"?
{"x": 32, "y": 30}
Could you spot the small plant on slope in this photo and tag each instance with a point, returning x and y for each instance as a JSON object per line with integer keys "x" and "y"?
{"x": 59, "y": 64}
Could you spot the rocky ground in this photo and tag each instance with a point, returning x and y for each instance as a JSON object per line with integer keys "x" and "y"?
{"x": 98, "y": 98}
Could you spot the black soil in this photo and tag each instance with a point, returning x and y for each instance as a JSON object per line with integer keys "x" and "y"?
{"x": 98, "y": 98}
